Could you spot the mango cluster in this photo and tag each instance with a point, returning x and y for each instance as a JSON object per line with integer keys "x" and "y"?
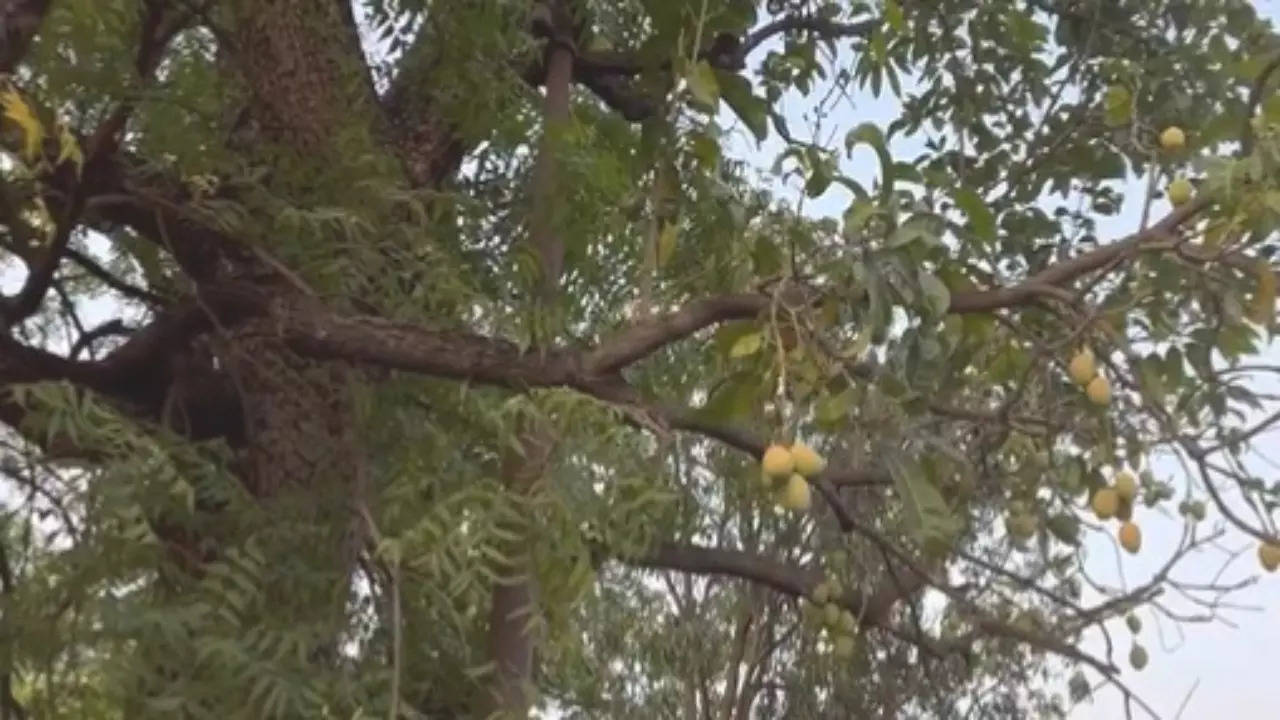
{"x": 822, "y": 608}
{"x": 1116, "y": 501}
{"x": 1083, "y": 370}
{"x": 785, "y": 472}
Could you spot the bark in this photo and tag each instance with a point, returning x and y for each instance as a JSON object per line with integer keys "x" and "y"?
{"x": 300, "y": 62}
{"x": 514, "y": 599}
{"x": 298, "y": 453}
{"x": 19, "y": 21}
{"x": 428, "y": 146}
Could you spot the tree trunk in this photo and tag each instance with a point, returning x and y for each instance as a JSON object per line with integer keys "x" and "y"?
{"x": 299, "y": 459}
{"x": 514, "y": 598}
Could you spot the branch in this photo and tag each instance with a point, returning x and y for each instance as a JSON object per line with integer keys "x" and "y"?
{"x": 873, "y": 608}
{"x": 828, "y": 29}
{"x": 1251, "y": 106}
{"x": 430, "y": 149}
{"x": 314, "y": 332}
{"x": 643, "y": 338}
{"x": 725, "y": 51}
{"x": 91, "y": 266}
{"x": 40, "y": 274}
{"x": 1068, "y": 270}
{"x": 109, "y": 328}
{"x": 608, "y": 74}
{"x": 19, "y": 21}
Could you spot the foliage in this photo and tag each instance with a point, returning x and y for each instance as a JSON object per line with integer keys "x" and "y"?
{"x": 750, "y": 256}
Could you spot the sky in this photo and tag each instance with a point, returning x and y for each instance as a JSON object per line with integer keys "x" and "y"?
{"x": 1196, "y": 671}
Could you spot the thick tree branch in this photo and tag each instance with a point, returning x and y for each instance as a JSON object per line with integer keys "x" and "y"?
{"x": 1068, "y": 270}
{"x": 513, "y": 600}
{"x": 639, "y": 340}
{"x": 40, "y": 273}
{"x": 643, "y": 338}
{"x": 317, "y": 333}
{"x": 430, "y": 149}
{"x": 19, "y": 22}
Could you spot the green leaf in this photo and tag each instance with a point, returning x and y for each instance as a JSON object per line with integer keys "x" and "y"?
{"x": 766, "y": 256}
{"x": 734, "y": 400}
{"x": 918, "y": 227}
{"x": 666, "y": 244}
{"x": 928, "y": 517}
{"x": 1065, "y": 527}
{"x": 870, "y": 134}
{"x": 894, "y": 17}
{"x": 819, "y": 180}
{"x": 729, "y": 334}
{"x": 747, "y": 345}
{"x": 832, "y": 409}
{"x": 980, "y": 217}
{"x": 1118, "y": 106}
{"x": 753, "y": 111}
{"x": 703, "y": 85}
{"x": 936, "y": 295}
{"x": 1262, "y": 305}
{"x": 69, "y": 149}
{"x": 13, "y": 107}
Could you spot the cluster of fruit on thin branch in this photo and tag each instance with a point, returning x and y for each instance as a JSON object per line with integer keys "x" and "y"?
{"x": 1116, "y": 501}
{"x": 786, "y": 472}
{"x": 1172, "y": 139}
{"x": 1180, "y": 191}
{"x": 821, "y": 610}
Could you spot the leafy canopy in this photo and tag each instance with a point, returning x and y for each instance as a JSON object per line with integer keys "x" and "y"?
{"x": 754, "y": 252}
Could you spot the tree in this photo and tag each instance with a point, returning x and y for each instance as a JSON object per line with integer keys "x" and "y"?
{"x": 418, "y": 359}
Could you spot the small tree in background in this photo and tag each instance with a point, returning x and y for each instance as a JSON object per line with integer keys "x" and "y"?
{"x": 438, "y": 359}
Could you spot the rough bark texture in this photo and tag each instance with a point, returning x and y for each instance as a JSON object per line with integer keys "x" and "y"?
{"x": 296, "y": 57}
{"x": 289, "y": 419}
{"x": 429, "y": 148}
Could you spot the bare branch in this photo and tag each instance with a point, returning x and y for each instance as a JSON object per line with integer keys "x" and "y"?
{"x": 872, "y": 608}
{"x": 808, "y": 23}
